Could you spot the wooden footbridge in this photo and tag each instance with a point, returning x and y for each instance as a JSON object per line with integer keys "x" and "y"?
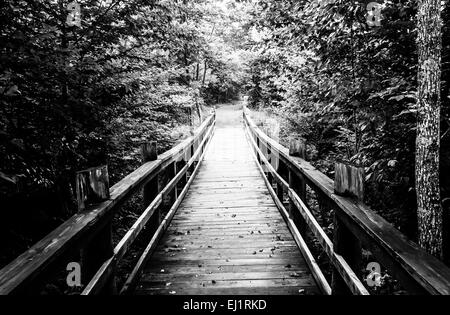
{"x": 227, "y": 211}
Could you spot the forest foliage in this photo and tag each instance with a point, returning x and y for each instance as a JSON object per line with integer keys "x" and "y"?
{"x": 349, "y": 88}
{"x": 77, "y": 95}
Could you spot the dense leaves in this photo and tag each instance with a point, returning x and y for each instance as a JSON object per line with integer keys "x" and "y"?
{"x": 348, "y": 88}
{"x": 77, "y": 96}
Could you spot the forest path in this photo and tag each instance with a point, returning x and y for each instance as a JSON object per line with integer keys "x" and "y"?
{"x": 227, "y": 236}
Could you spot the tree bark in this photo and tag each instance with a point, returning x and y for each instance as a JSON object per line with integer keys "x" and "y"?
{"x": 429, "y": 42}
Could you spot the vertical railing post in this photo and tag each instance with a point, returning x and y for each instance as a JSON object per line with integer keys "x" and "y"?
{"x": 179, "y": 166}
{"x": 259, "y": 147}
{"x": 297, "y": 183}
{"x": 149, "y": 152}
{"x": 92, "y": 187}
{"x": 281, "y": 170}
{"x": 170, "y": 173}
{"x": 349, "y": 180}
{"x": 269, "y": 160}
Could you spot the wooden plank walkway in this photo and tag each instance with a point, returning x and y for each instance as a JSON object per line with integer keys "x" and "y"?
{"x": 227, "y": 236}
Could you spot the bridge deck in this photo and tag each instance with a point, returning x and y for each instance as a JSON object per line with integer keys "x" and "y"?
{"x": 228, "y": 236}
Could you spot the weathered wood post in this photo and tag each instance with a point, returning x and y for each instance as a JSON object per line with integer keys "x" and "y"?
{"x": 282, "y": 171}
{"x": 297, "y": 147}
{"x": 166, "y": 176}
{"x": 258, "y": 158}
{"x": 179, "y": 166}
{"x": 149, "y": 152}
{"x": 92, "y": 187}
{"x": 269, "y": 159}
{"x": 349, "y": 180}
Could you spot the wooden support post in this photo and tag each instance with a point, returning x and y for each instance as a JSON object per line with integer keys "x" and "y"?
{"x": 297, "y": 147}
{"x": 298, "y": 186}
{"x": 269, "y": 159}
{"x": 175, "y": 191}
{"x": 259, "y": 146}
{"x": 93, "y": 187}
{"x": 166, "y": 177}
{"x": 179, "y": 166}
{"x": 348, "y": 246}
{"x": 349, "y": 180}
{"x": 298, "y": 183}
{"x": 98, "y": 250}
{"x": 149, "y": 153}
{"x": 281, "y": 170}
{"x": 324, "y": 207}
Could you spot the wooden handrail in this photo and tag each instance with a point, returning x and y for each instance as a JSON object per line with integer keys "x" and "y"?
{"x": 73, "y": 233}
{"x": 102, "y": 275}
{"x": 356, "y": 287}
{"x": 418, "y": 271}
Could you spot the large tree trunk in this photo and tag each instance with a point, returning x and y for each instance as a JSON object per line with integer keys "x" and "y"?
{"x": 429, "y": 210}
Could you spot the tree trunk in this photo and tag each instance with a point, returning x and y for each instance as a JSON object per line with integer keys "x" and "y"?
{"x": 429, "y": 210}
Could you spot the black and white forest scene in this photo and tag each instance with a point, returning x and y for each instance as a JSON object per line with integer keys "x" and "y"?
{"x": 229, "y": 148}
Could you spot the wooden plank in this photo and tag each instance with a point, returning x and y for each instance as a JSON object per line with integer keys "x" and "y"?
{"x": 255, "y": 291}
{"x": 248, "y": 246}
{"x": 205, "y": 269}
{"x": 254, "y": 283}
{"x": 226, "y": 276}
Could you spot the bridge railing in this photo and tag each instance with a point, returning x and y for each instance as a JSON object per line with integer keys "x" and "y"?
{"x": 88, "y": 236}
{"x": 355, "y": 226}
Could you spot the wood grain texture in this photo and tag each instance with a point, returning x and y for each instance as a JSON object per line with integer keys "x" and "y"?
{"x": 349, "y": 180}
{"x": 227, "y": 237}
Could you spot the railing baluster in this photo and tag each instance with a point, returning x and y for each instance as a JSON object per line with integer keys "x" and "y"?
{"x": 282, "y": 170}
{"x": 297, "y": 182}
{"x": 149, "y": 153}
{"x": 348, "y": 180}
{"x": 92, "y": 188}
{"x": 151, "y": 189}
{"x": 349, "y": 247}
